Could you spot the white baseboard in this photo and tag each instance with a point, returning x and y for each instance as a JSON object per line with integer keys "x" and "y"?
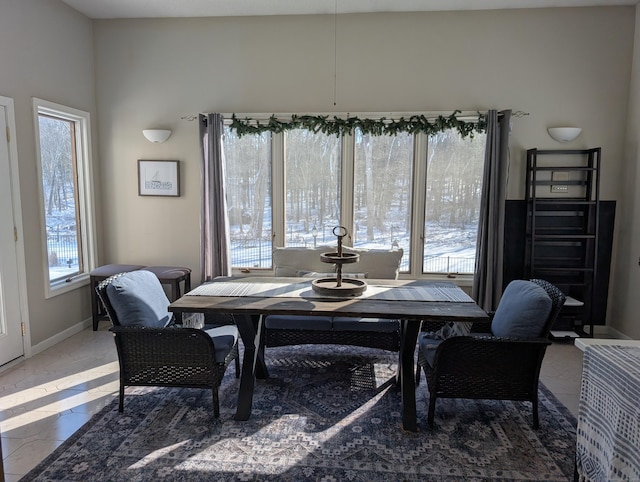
{"x": 63, "y": 335}
{"x": 12, "y": 363}
{"x": 609, "y": 332}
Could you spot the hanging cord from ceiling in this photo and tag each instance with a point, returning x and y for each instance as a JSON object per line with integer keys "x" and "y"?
{"x": 335, "y": 53}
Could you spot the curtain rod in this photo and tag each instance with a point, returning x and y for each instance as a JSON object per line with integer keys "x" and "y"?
{"x": 516, "y": 114}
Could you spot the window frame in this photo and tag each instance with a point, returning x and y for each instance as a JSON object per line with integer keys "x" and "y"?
{"x": 85, "y": 185}
{"x": 418, "y": 202}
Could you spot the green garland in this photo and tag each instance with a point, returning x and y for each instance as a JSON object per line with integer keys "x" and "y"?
{"x": 376, "y": 127}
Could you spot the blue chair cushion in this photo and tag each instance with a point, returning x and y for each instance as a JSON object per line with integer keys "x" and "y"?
{"x": 522, "y": 312}
{"x": 379, "y": 325}
{"x": 224, "y": 339}
{"x": 297, "y": 322}
{"x": 139, "y": 300}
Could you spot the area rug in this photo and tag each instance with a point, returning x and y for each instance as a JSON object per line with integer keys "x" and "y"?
{"x": 326, "y": 413}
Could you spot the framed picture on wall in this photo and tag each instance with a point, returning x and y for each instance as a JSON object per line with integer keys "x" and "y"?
{"x": 158, "y": 178}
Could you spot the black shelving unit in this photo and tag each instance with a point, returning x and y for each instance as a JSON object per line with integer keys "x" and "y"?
{"x": 562, "y": 199}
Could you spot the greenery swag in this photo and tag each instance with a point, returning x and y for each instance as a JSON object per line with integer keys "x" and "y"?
{"x": 376, "y": 127}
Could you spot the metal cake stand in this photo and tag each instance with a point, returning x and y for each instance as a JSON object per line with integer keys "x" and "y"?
{"x": 339, "y": 286}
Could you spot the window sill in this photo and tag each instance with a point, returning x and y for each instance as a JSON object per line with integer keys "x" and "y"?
{"x": 459, "y": 279}
{"x": 63, "y": 286}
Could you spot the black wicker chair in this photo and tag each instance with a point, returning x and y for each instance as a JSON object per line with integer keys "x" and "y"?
{"x": 170, "y": 356}
{"x": 482, "y": 366}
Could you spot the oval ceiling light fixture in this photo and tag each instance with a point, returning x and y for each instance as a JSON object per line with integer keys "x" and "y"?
{"x": 156, "y": 135}
{"x": 564, "y": 134}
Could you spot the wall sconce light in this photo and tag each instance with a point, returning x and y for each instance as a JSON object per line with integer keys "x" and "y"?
{"x": 156, "y": 135}
{"x": 564, "y": 134}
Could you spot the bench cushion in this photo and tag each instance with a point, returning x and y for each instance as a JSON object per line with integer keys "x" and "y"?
{"x": 295, "y": 322}
{"x": 377, "y": 263}
{"x": 288, "y": 261}
{"x": 338, "y": 323}
{"x": 379, "y": 325}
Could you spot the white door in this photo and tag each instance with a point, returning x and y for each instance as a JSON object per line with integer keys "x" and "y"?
{"x": 11, "y": 340}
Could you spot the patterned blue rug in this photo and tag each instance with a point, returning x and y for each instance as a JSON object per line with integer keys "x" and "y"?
{"x": 326, "y": 414}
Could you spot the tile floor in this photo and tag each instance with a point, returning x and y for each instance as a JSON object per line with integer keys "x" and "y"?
{"x": 46, "y": 398}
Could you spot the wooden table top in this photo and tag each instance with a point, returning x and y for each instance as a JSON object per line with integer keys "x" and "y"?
{"x": 303, "y": 301}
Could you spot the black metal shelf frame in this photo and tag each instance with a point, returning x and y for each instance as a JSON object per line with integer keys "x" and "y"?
{"x": 561, "y": 239}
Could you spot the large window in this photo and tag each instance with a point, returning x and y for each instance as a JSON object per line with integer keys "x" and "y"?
{"x": 64, "y": 166}
{"x": 411, "y": 191}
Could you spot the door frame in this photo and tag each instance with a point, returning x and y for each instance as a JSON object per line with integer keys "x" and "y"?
{"x": 8, "y": 105}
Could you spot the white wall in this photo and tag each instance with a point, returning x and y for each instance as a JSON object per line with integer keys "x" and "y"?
{"x": 46, "y": 51}
{"x": 624, "y": 299}
{"x": 563, "y": 66}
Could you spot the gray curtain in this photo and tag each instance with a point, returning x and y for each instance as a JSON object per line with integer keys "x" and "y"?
{"x": 215, "y": 255}
{"x": 487, "y": 281}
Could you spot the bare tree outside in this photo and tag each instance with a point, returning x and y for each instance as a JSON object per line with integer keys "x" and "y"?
{"x": 382, "y": 191}
{"x": 60, "y": 196}
{"x": 248, "y": 183}
{"x": 312, "y": 175}
{"x": 454, "y": 188}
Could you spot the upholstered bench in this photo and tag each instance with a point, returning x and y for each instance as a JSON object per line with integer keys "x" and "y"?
{"x": 283, "y": 330}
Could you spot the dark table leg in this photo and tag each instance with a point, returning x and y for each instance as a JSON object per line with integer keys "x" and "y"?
{"x": 409, "y": 333}
{"x": 252, "y": 363}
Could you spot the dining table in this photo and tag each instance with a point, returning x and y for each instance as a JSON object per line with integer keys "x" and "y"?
{"x": 251, "y": 299}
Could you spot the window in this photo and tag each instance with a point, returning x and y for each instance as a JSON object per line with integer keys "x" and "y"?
{"x": 454, "y": 187}
{"x": 411, "y": 191}
{"x": 248, "y": 172}
{"x": 312, "y": 192}
{"x": 383, "y": 174}
{"x": 66, "y": 197}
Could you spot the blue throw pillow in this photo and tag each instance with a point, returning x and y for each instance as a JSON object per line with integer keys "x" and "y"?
{"x": 139, "y": 300}
{"x": 522, "y": 311}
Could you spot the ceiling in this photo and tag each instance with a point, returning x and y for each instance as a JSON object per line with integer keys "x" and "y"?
{"x": 102, "y": 9}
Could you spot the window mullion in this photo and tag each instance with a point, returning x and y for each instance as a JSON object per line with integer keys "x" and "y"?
{"x": 421, "y": 142}
{"x": 347, "y": 186}
{"x": 278, "y": 183}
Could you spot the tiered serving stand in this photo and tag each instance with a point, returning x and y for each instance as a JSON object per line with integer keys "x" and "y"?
{"x": 339, "y": 286}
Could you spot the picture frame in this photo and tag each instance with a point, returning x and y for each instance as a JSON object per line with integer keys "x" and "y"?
{"x": 158, "y": 178}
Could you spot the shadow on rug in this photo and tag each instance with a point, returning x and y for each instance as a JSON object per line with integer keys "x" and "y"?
{"x": 328, "y": 414}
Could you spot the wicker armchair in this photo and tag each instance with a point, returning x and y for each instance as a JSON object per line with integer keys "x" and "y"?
{"x": 488, "y": 367}
{"x": 168, "y": 355}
